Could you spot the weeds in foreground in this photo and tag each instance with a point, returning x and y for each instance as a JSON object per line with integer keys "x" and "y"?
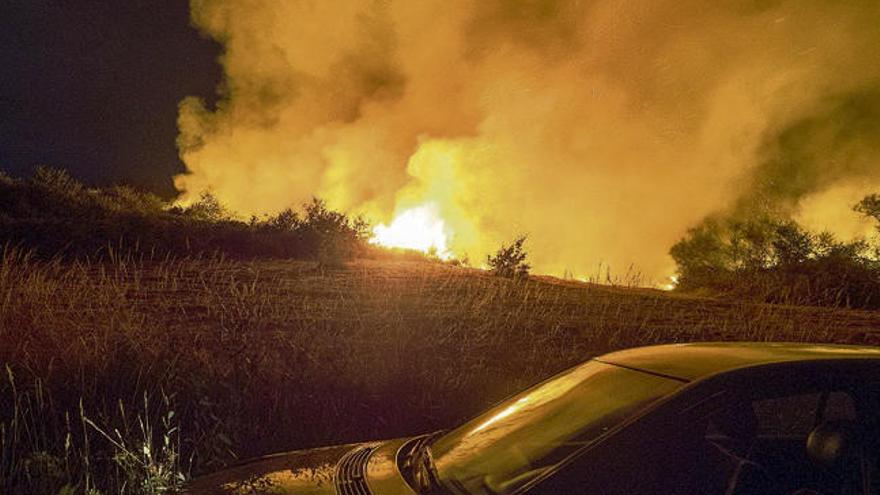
{"x": 47, "y": 450}
{"x": 147, "y": 454}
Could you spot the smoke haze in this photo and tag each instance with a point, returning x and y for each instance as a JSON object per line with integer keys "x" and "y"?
{"x": 603, "y": 129}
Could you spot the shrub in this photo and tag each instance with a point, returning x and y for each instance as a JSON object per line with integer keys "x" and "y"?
{"x": 207, "y": 208}
{"x": 128, "y": 199}
{"x": 56, "y": 215}
{"x": 56, "y": 181}
{"x": 285, "y": 221}
{"x": 509, "y": 260}
{"x": 334, "y": 237}
{"x": 777, "y": 261}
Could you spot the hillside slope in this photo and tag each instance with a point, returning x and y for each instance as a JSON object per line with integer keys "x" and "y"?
{"x": 265, "y": 356}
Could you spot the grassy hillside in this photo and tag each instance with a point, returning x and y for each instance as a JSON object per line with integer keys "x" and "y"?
{"x": 203, "y": 360}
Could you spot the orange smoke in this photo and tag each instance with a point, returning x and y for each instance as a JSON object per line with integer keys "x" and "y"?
{"x": 603, "y": 130}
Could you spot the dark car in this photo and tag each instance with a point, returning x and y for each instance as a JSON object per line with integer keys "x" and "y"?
{"x": 715, "y": 418}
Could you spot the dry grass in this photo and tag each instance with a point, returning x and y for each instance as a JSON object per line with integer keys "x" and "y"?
{"x": 264, "y": 356}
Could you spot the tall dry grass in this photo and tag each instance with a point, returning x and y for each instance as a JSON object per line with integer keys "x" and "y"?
{"x": 128, "y": 374}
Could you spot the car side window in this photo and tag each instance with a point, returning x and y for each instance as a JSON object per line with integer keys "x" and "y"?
{"x": 793, "y": 415}
{"x": 839, "y": 406}
{"x": 797, "y": 415}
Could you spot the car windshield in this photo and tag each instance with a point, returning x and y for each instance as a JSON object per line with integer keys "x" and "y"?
{"x": 518, "y": 440}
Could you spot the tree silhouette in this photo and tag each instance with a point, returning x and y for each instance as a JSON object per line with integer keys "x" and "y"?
{"x": 509, "y": 260}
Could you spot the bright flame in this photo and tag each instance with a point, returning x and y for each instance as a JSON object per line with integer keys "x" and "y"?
{"x": 418, "y": 228}
{"x": 671, "y": 284}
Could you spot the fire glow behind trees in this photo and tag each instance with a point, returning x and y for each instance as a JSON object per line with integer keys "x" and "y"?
{"x": 604, "y": 130}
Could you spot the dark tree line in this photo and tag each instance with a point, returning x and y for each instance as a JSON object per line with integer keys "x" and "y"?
{"x": 777, "y": 260}
{"x": 56, "y": 215}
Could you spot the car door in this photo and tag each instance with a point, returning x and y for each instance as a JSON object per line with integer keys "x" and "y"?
{"x": 674, "y": 449}
{"x": 786, "y": 405}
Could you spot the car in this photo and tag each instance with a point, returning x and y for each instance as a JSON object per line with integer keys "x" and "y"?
{"x": 699, "y": 418}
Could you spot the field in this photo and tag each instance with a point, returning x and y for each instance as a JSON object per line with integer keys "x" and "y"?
{"x": 126, "y": 373}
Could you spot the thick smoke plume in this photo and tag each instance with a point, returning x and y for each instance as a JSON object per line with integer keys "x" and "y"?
{"x": 603, "y": 129}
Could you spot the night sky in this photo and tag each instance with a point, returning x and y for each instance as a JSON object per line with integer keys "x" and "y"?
{"x": 93, "y": 87}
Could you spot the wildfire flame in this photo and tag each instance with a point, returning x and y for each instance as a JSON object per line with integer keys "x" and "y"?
{"x": 671, "y": 284}
{"x": 419, "y": 228}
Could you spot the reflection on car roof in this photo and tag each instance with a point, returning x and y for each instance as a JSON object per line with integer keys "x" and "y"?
{"x": 697, "y": 360}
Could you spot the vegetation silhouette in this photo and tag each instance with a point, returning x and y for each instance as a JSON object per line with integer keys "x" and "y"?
{"x": 54, "y": 214}
{"x": 775, "y": 260}
{"x": 510, "y": 260}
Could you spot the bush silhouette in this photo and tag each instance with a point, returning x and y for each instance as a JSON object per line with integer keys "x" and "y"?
{"x": 509, "y": 260}
{"x": 56, "y": 215}
{"x": 332, "y": 236}
{"x": 207, "y": 208}
{"x": 778, "y": 261}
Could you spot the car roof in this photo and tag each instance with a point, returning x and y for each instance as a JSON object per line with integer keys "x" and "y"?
{"x": 693, "y": 361}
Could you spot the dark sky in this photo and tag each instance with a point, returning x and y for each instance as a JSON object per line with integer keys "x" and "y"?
{"x": 93, "y": 87}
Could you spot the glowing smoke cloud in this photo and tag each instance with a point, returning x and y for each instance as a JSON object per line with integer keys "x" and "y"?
{"x": 602, "y": 129}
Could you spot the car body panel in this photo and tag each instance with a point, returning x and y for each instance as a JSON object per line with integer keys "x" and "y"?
{"x": 382, "y": 473}
{"x": 305, "y": 472}
{"x": 699, "y": 360}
